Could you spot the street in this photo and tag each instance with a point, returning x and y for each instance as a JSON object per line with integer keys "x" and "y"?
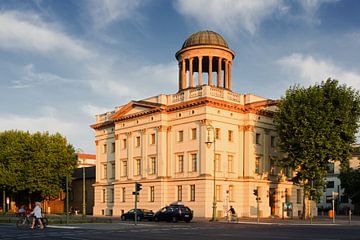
{"x": 194, "y": 230}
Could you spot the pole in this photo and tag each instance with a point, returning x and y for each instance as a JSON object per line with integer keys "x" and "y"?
{"x": 4, "y": 201}
{"x": 84, "y": 194}
{"x": 311, "y": 217}
{"x": 333, "y": 207}
{"x": 136, "y": 196}
{"x": 67, "y": 200}
{"x": 214, "y": 200}
{"x": 257, "y": 207}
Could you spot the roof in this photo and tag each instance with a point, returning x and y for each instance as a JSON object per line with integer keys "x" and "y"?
{"x": 205, "y": 38}
{"x": 87, "y": 156}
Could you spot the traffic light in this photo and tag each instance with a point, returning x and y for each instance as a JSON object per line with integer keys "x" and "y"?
{"x": 138, "y": 187}
{"x": 255, "y": 192}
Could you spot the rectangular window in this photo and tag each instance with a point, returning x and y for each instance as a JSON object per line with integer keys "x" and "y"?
{"x": 104, "y": 173}
{"x": 103, "y": 198}
{"x": 152, "y": 165}
{"x": 230, "y": 136}
{"x": 218, "y": 162}
{"x": 193, "y": 133}
{"x": 138, "y": 166}
{"x": 298, "y": 196}
{"x": 218, "y": 193}
{"x": 104, "y": 148}
{"x": 180, "y": 136}
{"x": 180, "y": 163}
{"x": 272, "y": 166}
{"x": 123, "y": 195}
{"x": 179, "y": 193}
{"x": 231, "y": 193}
{"x": 272, "y": 141}
{"x": 111, "y": 195}
{"x": 113, "y": 147}
{"x": 137, "y": 141}
{"x": 217, "y": 133}
{"x": 192, "y": 193}
{"x": 257, "y": 140}
{"x": 230, "y": 163}
{"x": 112, "y": 175}
{"x": 193, "y": 162}
{"x": 330, "y": 184}
{"x": 124, "y": 168}
{"x": 152, "y": 139}
{"x": 257, "y": 165}
{"x": 124, "y": 143}
{"x": 152, "y": 194}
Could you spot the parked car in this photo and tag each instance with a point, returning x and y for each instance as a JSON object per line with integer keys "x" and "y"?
{"x": 142, "y": 214}
{"x": 175, "y": 212}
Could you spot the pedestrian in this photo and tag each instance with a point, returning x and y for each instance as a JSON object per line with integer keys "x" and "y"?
{"x": 37, "y": 215}
{"x": 232, "y": 213}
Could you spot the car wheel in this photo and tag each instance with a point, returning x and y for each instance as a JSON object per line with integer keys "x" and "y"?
{"x": 187, "y": 220}
{"x": 174, "y": 219}
{"x": 123, "y": 218}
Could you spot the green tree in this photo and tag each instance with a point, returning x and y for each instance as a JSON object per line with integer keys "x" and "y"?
{"x": 316, "y": 125}
{"x": 33, "y": 164}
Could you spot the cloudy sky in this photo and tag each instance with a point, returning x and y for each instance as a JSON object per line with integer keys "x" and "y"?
{"x": 63, "y": 62}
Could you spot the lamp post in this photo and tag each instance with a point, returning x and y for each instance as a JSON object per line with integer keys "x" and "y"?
{"x": 208, "y": 142}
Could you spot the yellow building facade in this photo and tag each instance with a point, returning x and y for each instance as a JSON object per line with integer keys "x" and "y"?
{"x": 200, "y": 144}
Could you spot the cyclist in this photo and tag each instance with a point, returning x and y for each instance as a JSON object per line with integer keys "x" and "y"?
{"x": 22, "y": 211}
{"x": 37, "y": 215}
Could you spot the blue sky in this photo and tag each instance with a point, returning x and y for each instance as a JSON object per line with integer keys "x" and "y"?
{"x": 63, "y": 62}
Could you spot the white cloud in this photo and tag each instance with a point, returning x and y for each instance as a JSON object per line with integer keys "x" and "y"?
{"x": 26, "y": 31}
{"x": 108, "y": 11}
{"x": 230, "y": 15}
{"x": 92, "y": 110}
{"x": 311, "y": 70}
{"x": 310, "y": 8}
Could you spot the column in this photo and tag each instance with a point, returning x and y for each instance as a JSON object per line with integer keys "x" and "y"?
{"x": 183, "y": 73}
{"x": 219, "y": 73}
{"x": 180, "y": 77}
{"x": 230, "y": 74}
{"x": 226, "y": 73}
{"x": 200, "y": 71}
{"x": 210, "y": 71}
{"x": 191, "y": 76}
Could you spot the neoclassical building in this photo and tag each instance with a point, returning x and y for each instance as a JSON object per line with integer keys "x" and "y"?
{"x": 200, "y": 144}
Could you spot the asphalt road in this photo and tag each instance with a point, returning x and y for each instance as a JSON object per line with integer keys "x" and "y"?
{"x": 174, "y": 231}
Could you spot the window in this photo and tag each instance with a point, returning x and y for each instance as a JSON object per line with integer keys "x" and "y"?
{"x": 231, "y": 193}
{"x": 330, "y": 168}
{"x": 230, "y": 136}
{"x": 152, "y": 165}
{"x": 124, "y": 143}
{"x": 112, "y": 174}
{"x": 218, "y": 193}
{"x": 111, "y": 197}
{"x": 137, "y": 141}
{"x": 193, "y": 133}
{"x": 123, "y": 195}
{"x": 104, "y": 148}
{"x": 124, "y": 168}
{"x": 193, "y": 162}
{"x": 192, "y": 193}
{"x": 152, "y": 138}
{"x": 103, "y": 199}
{"x": 217, "y": 133}
{"x": 230, "y": 163}
{"x": 104, "y": 173}
{"x": 113, "y": 147}
{"x": 272, "y": 166}
{"x": 152, "y": 194}
{"x": 330, "y": 184}
{"x": 257, "y": 165}
{"x": 137, "y": 166}
{"x": 179, "y": 193}
{"x": 180, "y": 136}
{"x": 272, "y": 141}
{"x": 218, "y": 162}
{"x": 298, "y": 196}
{"x": 257, "y": 140}
{"x": 180, "y": 163}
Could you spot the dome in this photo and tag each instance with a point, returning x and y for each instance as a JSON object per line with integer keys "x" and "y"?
{"x": 205, "y": 38}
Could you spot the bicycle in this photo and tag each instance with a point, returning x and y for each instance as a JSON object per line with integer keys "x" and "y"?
{"x": 25, "y": 222}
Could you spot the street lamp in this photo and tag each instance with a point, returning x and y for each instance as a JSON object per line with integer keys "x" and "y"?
{"x": 208, "y": 142}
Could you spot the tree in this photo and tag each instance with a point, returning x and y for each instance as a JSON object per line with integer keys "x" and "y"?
{"x": 350, "y": 180}
{"x": 316, "y": 125}
{"x": 33, "y": 164}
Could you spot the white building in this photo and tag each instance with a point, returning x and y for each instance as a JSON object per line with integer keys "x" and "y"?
{"x": 202, "y": 142}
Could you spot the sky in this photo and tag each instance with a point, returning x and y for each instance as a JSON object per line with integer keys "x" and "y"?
{"x": 63, "y": 62}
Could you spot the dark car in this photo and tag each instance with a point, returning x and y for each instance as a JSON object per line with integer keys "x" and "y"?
{"x": 174, "y": 213}
{"x": 141, "y": 214}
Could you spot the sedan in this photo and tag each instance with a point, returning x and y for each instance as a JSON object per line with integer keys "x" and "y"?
{"x": 141, "y": 214}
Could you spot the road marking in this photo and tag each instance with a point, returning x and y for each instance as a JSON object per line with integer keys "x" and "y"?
{"x": 63, "y": 227}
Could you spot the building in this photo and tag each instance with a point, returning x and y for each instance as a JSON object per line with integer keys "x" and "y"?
{"x": 202, "y": 142}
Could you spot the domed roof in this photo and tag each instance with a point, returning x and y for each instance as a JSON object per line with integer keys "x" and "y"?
{"x": 205, "y": 38}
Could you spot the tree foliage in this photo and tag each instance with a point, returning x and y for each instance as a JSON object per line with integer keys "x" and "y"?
{"x": 317, "y": 125}
{"x": 33, "y": 164}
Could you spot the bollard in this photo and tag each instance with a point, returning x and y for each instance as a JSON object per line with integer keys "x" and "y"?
{"x": 350, "y": 216}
